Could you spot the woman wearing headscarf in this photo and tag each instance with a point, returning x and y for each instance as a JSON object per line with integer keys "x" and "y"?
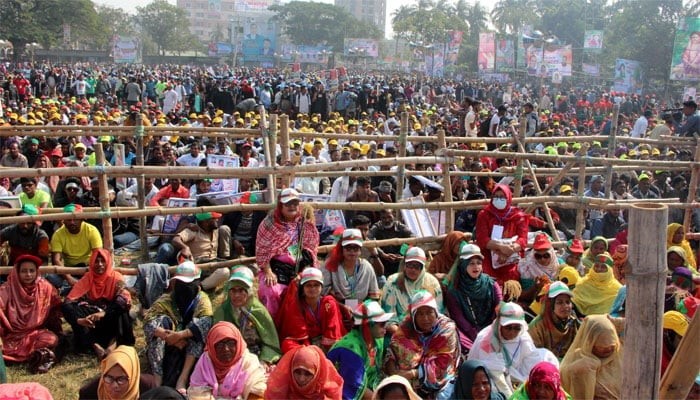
{"x": 449, "y": 252}
{"x": 506, "y": 348}
{"x": 401, "y": 286}
{"x": 556, "y": 326}
{"x": 227, "y": 367}
{"x": 675, "y": 326}
{"x": 501, "y": 229}
{"x": 472, "y": 296}
{"x": 287, "y": 240}
{"x": 599, "y": 245}
{"x": 543, "y": 383}
{"x": 176, "y": 326}
{"x": 572, "y": 256}
{"x": 310, "y": 317}
{"x": 592, "y": 368}
{"x": 425, "y": 348}
{"x": 596, "y": 292}
{"x": 304, "y": 373}
{"x": 395, "y": 387}
{"x": 676, "y": 237}
{"x": 539, "y": 267}
{"x": 120, "y": 377}
{"x": 242, "y": 308}
{"x": 475, "y": 383}
{"x": 29, "y": 311}
{"x": 97, "y": 308}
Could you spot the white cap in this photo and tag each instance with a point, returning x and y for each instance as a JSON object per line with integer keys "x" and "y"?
{"x": 288, "y": 195}
{"x": 415, "y": 254}
{"x": 370, "y": 310}
{"x": 351, "y": 237}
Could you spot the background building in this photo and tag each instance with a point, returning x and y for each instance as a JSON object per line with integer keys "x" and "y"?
{"x": 372, "y": 11}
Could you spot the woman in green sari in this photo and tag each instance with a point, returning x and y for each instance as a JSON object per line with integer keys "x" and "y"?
{"x": 243, "y": 309}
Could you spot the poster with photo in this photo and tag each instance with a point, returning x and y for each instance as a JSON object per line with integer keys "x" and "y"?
{"x": 221, "y": 161}
{"x": 172, "y": 221}
{"x": 685, "y": 61}
{"x": 326, "y": 220}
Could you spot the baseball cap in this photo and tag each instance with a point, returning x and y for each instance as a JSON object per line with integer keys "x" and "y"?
{"x": 542, "y": 242}
{"x": 287, "y": 195}
{"x": 207, "y": 216}
{"x": 565, "y": 189}
{"x": 370, "y": 310}
{"x": 469, "y": 250}
{"x": 187, "y": 272}
{"x": 243, "y": 274}
{"x": 351, "y": 237}
{"x": 604, "y": 259}
{"x": 643, "y": 177}
{"x": 415, "y": 254}
{"x": 557, "y": 288}
{"x": 511, "y": 313}
{"x": 385, "y": 187}
{"x": 79, "y": 146}
{"x": 72, "y": 185}
{"x": 422, "y": 298}
{"x": 29, "y": 209}
{"x": 575, "y": 246}
{"x": 311, "y": 274}
{"x": 676, "y": 322}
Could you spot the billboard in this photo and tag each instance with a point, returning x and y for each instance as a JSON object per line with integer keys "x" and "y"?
{"x": 250, "y": 5}
{"x": 220, "y": 49}
{"x": 685, "y": 62}
{"x": 435, "y": 63}
{"x": 591, "y": 69}
{"x": 487, "y": 52}
{"x": 593, "y": 40}
{"x": 125, "y": 49}
{"x": 453, "y": 46}
{"x": 546, "y": 61}
{"x": 505, "y": 55}
{"x": 628, "y": 77}
{"x": 367, "y": 47}
{"x": 305, "y": 54}
{"x": 259, "y": 39}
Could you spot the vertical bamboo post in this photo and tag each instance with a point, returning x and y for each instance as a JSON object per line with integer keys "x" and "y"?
{"x": 269, "y": 152}
{"x": 447, "y": 184}
{"x": 273, "y": 131}
{"x": 684, "y": 366}
{"x": 520, "y": 135}
{"x": 580, "y": 208}
{"x": 645, "y": 301}
{"x": 141, "y": 187}
{"x": 107, "y": 234}
{"x": 401, "y": 172}
{"x": 692, "y": 190}
{"x": 612, "y": 143}
{"x": 284, "y": 138}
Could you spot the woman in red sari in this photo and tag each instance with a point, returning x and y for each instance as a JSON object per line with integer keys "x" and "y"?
{"x": 310, "y": 318}
{"x": 29, "y": 311}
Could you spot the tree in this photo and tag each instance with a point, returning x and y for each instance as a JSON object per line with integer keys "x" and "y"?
{"x": 308, "y": 23}
{"x": 509, "y": 16}
{"x": 113, "y": 21}
{"x": 166, "y": 24}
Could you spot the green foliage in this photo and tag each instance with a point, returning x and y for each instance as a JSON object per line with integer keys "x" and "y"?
{"x": 428, "y": 22}
{"x": 167, "y": 25}
{"x": 308, "y": 23}
{"x": 113, "y": 21}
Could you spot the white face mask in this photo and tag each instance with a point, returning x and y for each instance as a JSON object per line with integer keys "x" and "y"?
{"x": 499, "y": 203}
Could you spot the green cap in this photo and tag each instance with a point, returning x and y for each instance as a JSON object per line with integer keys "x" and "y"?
{"x": 29, "y": 209}
{"x": 207, "y": 215}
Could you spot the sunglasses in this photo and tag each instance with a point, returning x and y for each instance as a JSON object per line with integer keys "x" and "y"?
{"x": 545, "y": 256}
{"x": 516, "y": 328}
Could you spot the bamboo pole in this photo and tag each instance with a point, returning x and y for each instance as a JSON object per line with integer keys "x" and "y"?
{"x": 269, "y": 154}
{"x": 646, "y": 284}
{"x": 519, "y": 135}
{"x": 692, "y": 190}
{"x": 612, "y": 143}
{"x": 580, "y": 221}
{"x": 684, "y": 366}
{"x": 401, "y": 172}
{"x": 107, "y": 233}
{"x": 447, "y": 184}
{"x": 273, "y": 132}
{"x": 141, "y": 187}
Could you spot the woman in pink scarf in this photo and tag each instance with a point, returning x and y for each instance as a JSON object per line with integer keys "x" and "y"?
{"x": 227, "y": 367}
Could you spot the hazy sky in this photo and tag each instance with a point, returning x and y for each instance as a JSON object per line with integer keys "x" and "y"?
{"x": 130, "y": 5}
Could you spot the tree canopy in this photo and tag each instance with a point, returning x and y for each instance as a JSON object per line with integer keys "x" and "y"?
{"x": 167, "y": 25}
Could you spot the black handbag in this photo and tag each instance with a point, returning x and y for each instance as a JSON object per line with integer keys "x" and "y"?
{"x": 284, "y": 272}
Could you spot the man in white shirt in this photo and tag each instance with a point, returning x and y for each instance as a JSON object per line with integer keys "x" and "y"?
{"x": 170, "y": 100}
{"x": 193, "y": 158}
{"x": 640, "y": 127}
{"x": 496, "y": 120}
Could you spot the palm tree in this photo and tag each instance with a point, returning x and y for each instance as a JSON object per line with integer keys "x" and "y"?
{"x": 509, "y": 16}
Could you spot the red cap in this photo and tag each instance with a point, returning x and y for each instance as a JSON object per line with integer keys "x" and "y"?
{"x": 542, "y": 242}
{"x": 575, "y": 246}
{"x": 28, "y": 257}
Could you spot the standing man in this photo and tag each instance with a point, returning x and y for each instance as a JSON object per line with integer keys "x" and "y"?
{"x": 640, "y": 126}
{"x": 692, "y": 120}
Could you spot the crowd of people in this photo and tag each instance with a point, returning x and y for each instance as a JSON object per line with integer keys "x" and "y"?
{"x": 501, "y": 313}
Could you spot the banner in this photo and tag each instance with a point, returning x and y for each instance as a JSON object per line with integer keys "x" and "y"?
{"x": 125, "y": 49}
{"x": 434, "y": 63}
{"x": 220, "y": 49}
{"x": 250, "y": 5}
{"x": 306, "y": 54}
{"x": 221, "y": 161}
{"x": 593, "y": 40}
{"x": 453, "y": 47}
{"x": 689, "y": 93}
{"x": 260, "y": 39}
{"x": 685, "y": 63}
{"x": 558, "y": 59}
{"x": 591, "y": 69}
{"x": 362, "y": 47}
{"x": 505, "y": 55}
{"x": 628, "y": 76}
{"x": 487, "y": 52}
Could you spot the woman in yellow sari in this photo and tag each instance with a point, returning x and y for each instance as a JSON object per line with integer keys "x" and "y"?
{"x": 596, "y": 292}
{"x": 676, "y": 237}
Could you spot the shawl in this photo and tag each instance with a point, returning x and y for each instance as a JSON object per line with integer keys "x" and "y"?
{"x": 443, "y": 260}
{"x": 690, "y": 254}
{"x": 508, "y": 213}
{"x": 165, "y": 305}
{"x": 24, "y": 309}
{"x": 26, "y": 390}
{"x": 359, "y": 366}
{"x": 397, "y": 299}
{"x": 475, "y": 296}
{"x": 326, "y": 382}
{"x": 298, "y": 324}
{"x": 257, "y": 315}
{"x": 465, "y": 380}
{"x": 95, "y": 286}
{"x": 274, "y": 237}
{"x": 548, "y": 374}
{"x": 364, "y": 286}
{"x": 549, "y": 332}
{"x": 588, "y": 259}
{"x": 128, "y": 360}
{"x": 219, "y": 332}
{"x": 436, "y": 354}
{"x": 620, "y": 257}
{"x": 586, "y": 376}
{"x": 397, "y": 380}
{"x": 595, "y": 292}
{"x": 530, "y": 269}
{"x": 244, "y": 378}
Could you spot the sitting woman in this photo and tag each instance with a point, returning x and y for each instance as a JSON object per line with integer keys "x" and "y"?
{"x": 472, "y": 296}
{"x": 592, "y": 368}
{"x": 676, "y": 237}
{"x": 425, "y": 348}
{"x": 475, "y": 383}
{"x": 556, "y": 326}
{"x": 572, "y": 256}
{"x": 304, "y": 373}
{"x": 242, "y": 308}
{"x": 539, "y": 267}
{"x": 315, "y": 320}
{"x": 401, "y": 286}
{"x": 349, "y": 278}
{"x": 97, "y": 308}
{"x": 227, "y": 367}
{"x": 599, "y": 245}
{"x": 444, "y": 260}
{"x": 176, "y": 326}
{"x": 29, "y": 311}
{"x": 507, "y": 350}
{"x": 596, "y": 292}
{"x": 544, "y": 383}
{"x": 395, "y": 387}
